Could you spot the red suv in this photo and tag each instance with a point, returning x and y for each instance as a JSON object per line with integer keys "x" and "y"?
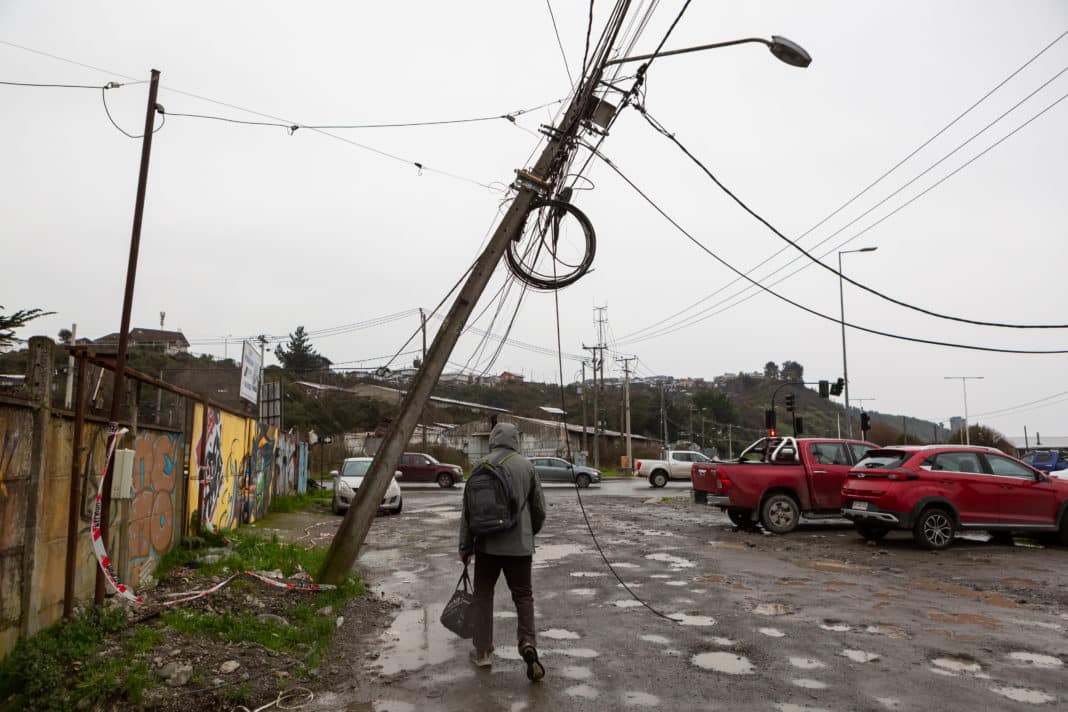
{"x": 937, "y": 490}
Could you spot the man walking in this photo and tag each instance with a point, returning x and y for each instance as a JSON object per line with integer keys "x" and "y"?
{"x": 510, "y": 551}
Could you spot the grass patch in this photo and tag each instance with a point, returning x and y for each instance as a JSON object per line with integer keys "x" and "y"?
{"x": 613, "y": 473}
{"x": 41, "y": 674}
{"x": 299, "y": 502}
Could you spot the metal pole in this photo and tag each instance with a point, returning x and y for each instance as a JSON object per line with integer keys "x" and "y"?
{"x": 75, "y": 489}
{"x": 1027, "y": 445}
{"x": 626, "y": 411}
{"x": 967, "y": 435}
{"x": 127, "y": 305}
{"x": 845, "y": 365}
{"x": 730, "y": 441}
{"x": 422, "y": 321}
{"x": 357, "y": 522}
{"x": 585, "y": 445}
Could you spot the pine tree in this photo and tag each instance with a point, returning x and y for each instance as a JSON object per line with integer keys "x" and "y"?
{"x": 299, "y": 355}
{"x": 10, "y": 322}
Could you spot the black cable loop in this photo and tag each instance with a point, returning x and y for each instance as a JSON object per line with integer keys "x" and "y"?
{"x": 551, "y": 223}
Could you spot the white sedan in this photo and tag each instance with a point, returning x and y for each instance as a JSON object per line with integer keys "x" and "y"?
{"x": 349, "y": 479}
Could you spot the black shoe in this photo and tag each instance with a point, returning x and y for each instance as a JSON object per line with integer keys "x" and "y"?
{"x": 535, "y": 670}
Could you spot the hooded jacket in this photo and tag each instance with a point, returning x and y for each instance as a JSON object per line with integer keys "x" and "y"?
{"x": 519, "y": 540}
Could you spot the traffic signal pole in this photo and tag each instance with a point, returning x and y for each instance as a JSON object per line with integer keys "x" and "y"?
{"x": 357, "y": 522}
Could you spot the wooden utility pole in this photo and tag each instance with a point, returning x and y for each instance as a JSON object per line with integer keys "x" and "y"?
{"x": 626, "y": 409}
{"x": 124, "y": 328}
{"x": 582, "y": 386}
{"x": 529, "y": 185}
{"x": 422, "y": 323}
{"x": 597, "y": 358}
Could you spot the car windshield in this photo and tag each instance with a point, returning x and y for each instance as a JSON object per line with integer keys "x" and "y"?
{"x": 355, "y": 468}
{"x": 702, "y": 458}
{"x": 432, "y": 459}
{"x": 1042, "y": 457}
{"x": 883, "y": 459}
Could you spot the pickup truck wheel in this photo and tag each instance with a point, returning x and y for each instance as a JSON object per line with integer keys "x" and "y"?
{"x": 780, "y": 514}
{"x": 582, "y": 480}
{"x": 658, "y": 479}
{"x": 742, "y": 518}
{"x": 933, "y": 529}
{"x": 444, "y": 480}
{"x": 872, "y": 532}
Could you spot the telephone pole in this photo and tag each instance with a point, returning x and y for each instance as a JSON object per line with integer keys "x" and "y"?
{"x": 422, "y": 322}
{"x": 530, "y": 184}
{"x": 582, "y": 387}
{"x": 626, "y": 408}
{"x": 597, "y": 359}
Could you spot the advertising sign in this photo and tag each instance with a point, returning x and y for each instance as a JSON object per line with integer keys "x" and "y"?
{"x": 251, "y": 362}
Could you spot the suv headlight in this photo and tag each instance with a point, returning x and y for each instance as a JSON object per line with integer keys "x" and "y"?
{"x": 344, "y": 488}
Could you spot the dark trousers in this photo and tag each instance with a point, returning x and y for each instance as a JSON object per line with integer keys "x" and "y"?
{"x": 488, "y": 568}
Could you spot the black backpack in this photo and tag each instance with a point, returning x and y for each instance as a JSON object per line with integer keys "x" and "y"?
{"x": 489, "y": 503}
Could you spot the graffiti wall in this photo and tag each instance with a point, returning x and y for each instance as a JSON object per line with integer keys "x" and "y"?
{"x": 153, "y": 529}
{"x": 235, "y": 460}
{"x": 302, "y": 469}
{"x": 288, "y": 462}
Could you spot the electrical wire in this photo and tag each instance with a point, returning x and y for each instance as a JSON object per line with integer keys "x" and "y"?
{"x": 53, "y": 86}
{"x": 560, "y": 43}
{"x": 1005, "y": 410}
{"x": 871, "y": 185}
{"x": 586, "y": 52}
{"x": 802, "y": 307}
{"x": 704, "y": 168}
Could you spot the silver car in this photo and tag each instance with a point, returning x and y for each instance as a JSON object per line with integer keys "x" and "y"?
{"x": 555, "y": 469}
{"x": 349, "y": 479}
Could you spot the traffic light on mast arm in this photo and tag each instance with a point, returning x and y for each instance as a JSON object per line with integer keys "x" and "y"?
{"x": 790, "y": 403}
{"x": 836, "y": 388}
{"x": 825, "y": 389}
{"x": 865, "y": 422}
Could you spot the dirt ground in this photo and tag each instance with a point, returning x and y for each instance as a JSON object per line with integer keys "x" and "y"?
{"x": 816, "y": 620}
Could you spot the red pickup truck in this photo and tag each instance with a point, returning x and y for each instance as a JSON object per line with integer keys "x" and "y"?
{"x": 776, "y": 481}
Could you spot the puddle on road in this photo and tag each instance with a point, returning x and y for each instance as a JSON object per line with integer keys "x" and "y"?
{"x": 518, "y": 706}
{"x": 588, "y": 574}
{"x": 503, "y": 615}
{"x": 657, "y": 639}
{"x": 1039, "y": 624}
{"x": 640, "y": 699}
{"x": 808, "y": 683}
{"x": 890, "y": 703}
{"x": 728, "y": 663}
{"x": 956, "y": 665}
{"x": 888, "y": 631}
{"x": 414, "y": 640}
{"x": 727, "y": 545}
{"x": 1036, "y": 659}
{"x": 725, "y": 642}
{"x": 676, "y": 562}
{"x": 630, "y": 584}
{"x": 559, "y": 634}
{"x": 676, "y": 583}
{"x": 575, "y": 672}
{"x": 771, "y": 609}
{"x": 994, "y": 599}
{"x": 687, "y": 619}
{"x": 584, "y": 691}
{"x": 657, "y": 576}
{"x": 1022, "y": 694}
{"x": 836, "y": 627}
{"x": 807, "y": 663}
{"x": 828, "y": 565}
{"x": 655, "y": 533}
{"x": 625, "y": 565}
{"x": 386, "y": 706}
{"x": 791, "y": 707}
{"x": 771, "y": 632}
{"x": 547, "y": 553}
{"x": 582, "y": 591}
{"x": 573, "y": 652}
{"x": 860, "y": 656}
{"x": 627, "y": 603}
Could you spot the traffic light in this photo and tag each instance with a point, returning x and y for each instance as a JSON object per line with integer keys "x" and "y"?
{"x": 769, "y": 420}
{"x": 825, "y": 389}
{"x": 790, "y": 403}
{"x": 865, "y": 422}
{"x": 836, "y": 387}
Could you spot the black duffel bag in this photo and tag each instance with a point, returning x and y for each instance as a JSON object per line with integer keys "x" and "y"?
{"x": 459, "y": 613}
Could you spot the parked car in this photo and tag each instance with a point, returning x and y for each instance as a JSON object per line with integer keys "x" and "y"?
{"x": 675, "y": 465}
{"x": 420, "y": 467}
{"x": 938, "y": 490}
{"x": 1047, "y": 460}
{"x": 349, "y": 479}
{"x": 555, "y": 469}
{"x": 776, "y": 481}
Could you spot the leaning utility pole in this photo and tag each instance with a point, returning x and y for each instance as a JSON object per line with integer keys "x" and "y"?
{"x": 529, "y": 185}
{"x": 422, "y": 325}
{"x": 626, "y": 408}
{"x": 124, "y": 328}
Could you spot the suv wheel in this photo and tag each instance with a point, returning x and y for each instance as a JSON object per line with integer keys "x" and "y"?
{"x": 933, "y": 529}
{"x": 780, "y": 514}
{"x": 872, "y": 532}
{"x": 658, "y": 479}
{"x": 582, "y": 480}
{"x": 741, "y": 518}
{"x": 444, "y": 480}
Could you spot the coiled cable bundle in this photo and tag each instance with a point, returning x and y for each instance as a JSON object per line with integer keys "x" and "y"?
{"x": 536, "y": 259}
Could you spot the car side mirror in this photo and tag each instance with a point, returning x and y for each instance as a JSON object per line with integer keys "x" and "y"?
{"x": 398, "y": 474}
{"x": 333, "y": 473}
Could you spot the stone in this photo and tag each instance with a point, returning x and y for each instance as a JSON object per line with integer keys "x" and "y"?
{"x": 272, "y": 618}
{"x": 229, "y": 666}
{"x": 326, "y": 611}
{"x": 340, "y": 620}
{"x": 182, "y": 673}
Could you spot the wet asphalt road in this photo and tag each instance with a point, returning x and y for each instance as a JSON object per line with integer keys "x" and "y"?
{"x": 817, "y": 620}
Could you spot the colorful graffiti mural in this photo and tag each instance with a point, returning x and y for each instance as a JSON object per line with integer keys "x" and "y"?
{"x": 157, "y": 463}
{"x": 287, "y": 460}
{"x": 302, "y": 469}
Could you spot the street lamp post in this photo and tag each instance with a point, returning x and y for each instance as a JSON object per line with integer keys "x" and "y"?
{"x": 964, "y": 384}
{"x": 841, "y": 303}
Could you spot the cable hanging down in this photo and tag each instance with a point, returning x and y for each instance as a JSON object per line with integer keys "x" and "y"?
{"x": 929, "y": 312}
{"x": 546, "y": 234}
{"x": 802, "y": 307}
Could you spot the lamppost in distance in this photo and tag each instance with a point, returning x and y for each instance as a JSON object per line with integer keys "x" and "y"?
{"x": 841, "y": 303}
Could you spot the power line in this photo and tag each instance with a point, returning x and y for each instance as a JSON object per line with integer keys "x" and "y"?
{"x": 1021, "y": 405}
{"x": 54, "y": 86}
{"x": 560, "y": 43}
{"x": 871, "y": 185}
{"x": 674, "y": 139}
{"x": 804, "y": 308}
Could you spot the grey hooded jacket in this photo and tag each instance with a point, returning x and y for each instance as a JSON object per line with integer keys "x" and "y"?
{"x": 519, "y": 540}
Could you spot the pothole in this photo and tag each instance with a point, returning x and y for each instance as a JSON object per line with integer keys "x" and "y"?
{"x": 957, "y": 665}
{"x": 676, "y": 562}
{"x": 836, "y": 627}
{"x": 771, "y": 609}
{"x": 1036, "y": 659}
{"x": 627, "y": 603}
{"x": 686, "y": 619}
{"x": 559, "y": 634}
{"x": 771, "y": 632}
{"x": 808, "y": 683}
{"x": 576, "y": 672}
{"x": 860, "y": 656}
{"x": 657, "y": 639}
{"x": 582, "y": 591}
{"x": 1022, "y": 694}
{"x": 727, "y": 663}
{"x": 640, "y": 699}
{"x": 584, "y": 691}
{"x": 807, "y": 663}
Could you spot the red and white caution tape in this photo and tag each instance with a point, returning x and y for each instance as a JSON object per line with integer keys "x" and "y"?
{"x": 99, "y": 549}
{"x": 288, "y": 585}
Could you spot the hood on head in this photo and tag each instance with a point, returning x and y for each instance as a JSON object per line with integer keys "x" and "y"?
{"x": 504, "y": 435}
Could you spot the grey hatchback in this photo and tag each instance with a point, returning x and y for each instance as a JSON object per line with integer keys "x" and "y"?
{"x": 555, "y": 469}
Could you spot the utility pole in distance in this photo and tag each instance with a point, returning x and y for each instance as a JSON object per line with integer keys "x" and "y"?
{"x": 626, "y": 409}
{"x": 357, "y": 522}
{"x": 422, "y": 322}
{"x": 582, "y": 386}
{"x": 596, "y": 406}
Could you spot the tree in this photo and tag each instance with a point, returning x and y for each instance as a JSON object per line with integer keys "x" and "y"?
{"x": 64, "y": 336}
{"x": 771, "y": 371}
{"x": 299, "y": 355}
{"x": 988, "y": 437}
{"x": 17, "y": 320}
{"x": 792, "y": 371}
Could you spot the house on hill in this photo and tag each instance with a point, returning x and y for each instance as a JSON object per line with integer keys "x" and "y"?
{"x": 172, "y": 342}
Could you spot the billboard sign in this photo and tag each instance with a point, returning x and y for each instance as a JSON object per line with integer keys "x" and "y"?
{"x": 251, "y": 363}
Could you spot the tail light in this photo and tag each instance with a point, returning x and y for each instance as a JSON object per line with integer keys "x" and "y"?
{"x": 638, "y": 464}
{"x": 901, "y": 475}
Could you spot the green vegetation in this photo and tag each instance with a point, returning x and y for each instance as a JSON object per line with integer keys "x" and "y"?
{"x": 299, "y": 502}
{"x": 62, "y": 667}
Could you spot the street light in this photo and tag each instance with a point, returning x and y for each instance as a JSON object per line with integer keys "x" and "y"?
{"x": 964, "y": 383}
{"x": 841, "y": 302}
{"x": 785, "y": 50}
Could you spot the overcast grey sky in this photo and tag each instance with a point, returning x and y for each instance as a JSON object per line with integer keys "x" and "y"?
{"x": 250, "y": 230}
